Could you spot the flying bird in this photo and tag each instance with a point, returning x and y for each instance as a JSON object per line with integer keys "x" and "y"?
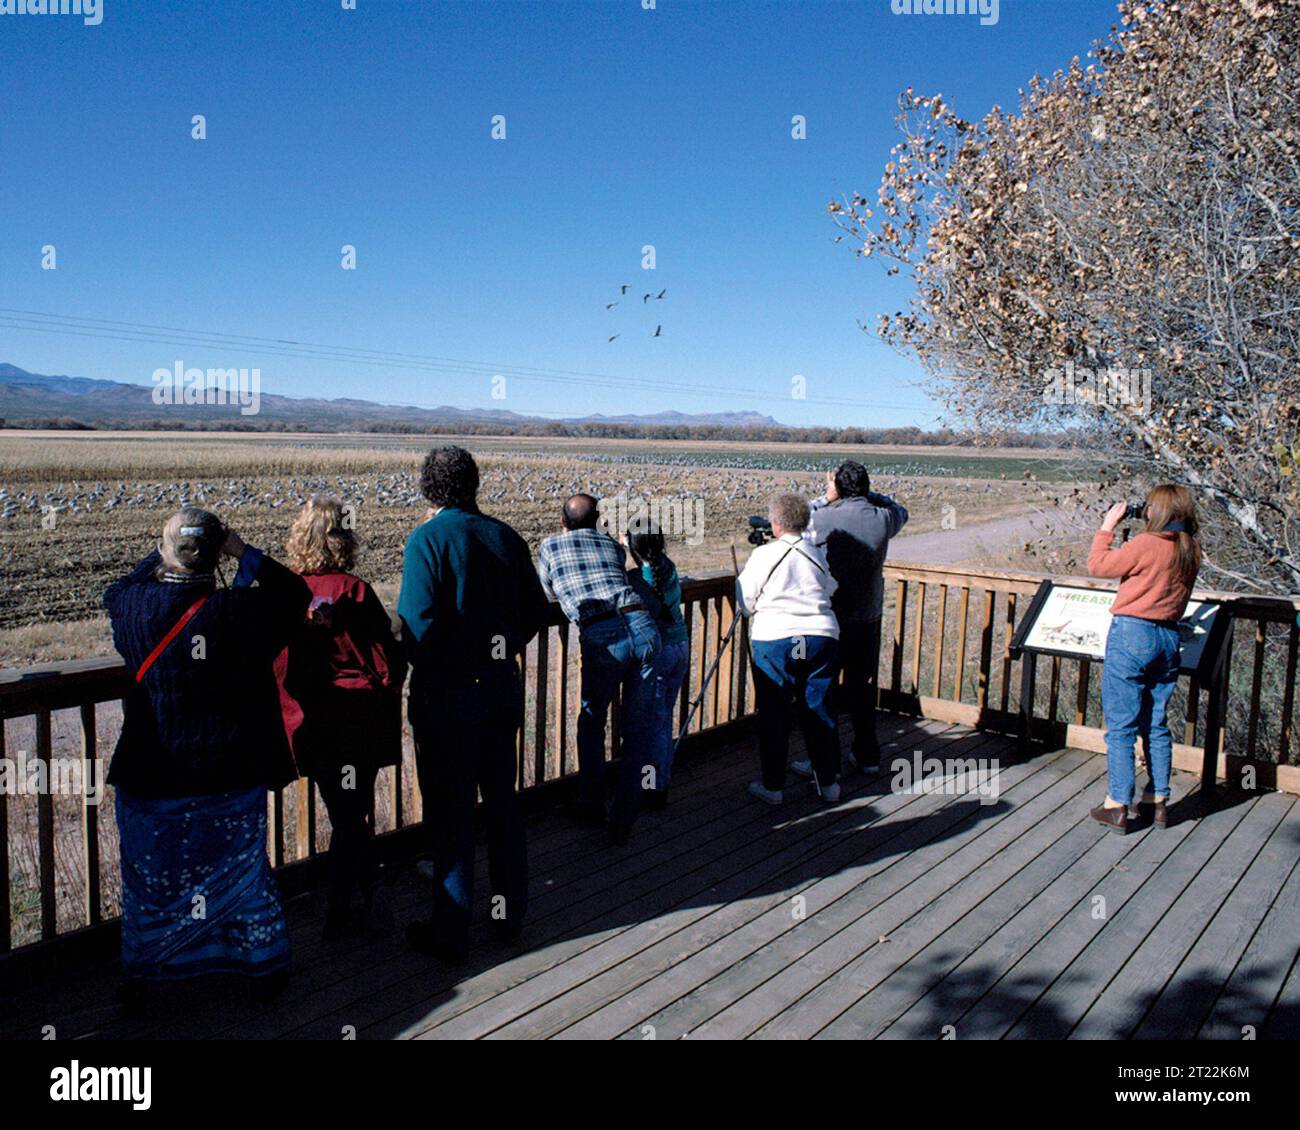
{"x": 658, "y": 332}
{"x": 616, "y": 335}
{"x": 646, "y": 297}
{"x": 624, "y": 288}
{"x": 610, "y": 305}
{"x": 662, "y": 293}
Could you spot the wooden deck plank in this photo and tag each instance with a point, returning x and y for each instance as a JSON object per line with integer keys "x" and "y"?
{"x": 1120, "y": 1007}
{"x": 684, "y": 998}
{"x": 625, "y": 901}
{"x": 837, "y": 1009}
{"x": 948, "y": 999}
{"x": 1073, "y": 989}
{"x": 1181, "y": 1009}
{"x": 833, "y": 866}
{"x": 802, "y": 996}
{"x": 1259, "y": 976}
{"x": 792, "y": 840}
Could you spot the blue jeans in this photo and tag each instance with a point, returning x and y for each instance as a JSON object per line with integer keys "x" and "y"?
{"x": 1138, "y": 678}
{"x": 465, "y": 737}
{"x": 796, "y": 676}
{"x": 669, "y": 671}
{"x": 619, "y": 650}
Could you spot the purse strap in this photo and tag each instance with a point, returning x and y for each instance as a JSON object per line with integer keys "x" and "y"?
{"x": 186, "y": 617}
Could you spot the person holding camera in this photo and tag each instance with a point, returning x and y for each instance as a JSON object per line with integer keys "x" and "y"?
{"x": 1157, "y": 570}
{"x": 853, "y": 525}
{"x": 656, "y": 579}
{"x": 785, "y": 590}
{"x": 202, "y": 741}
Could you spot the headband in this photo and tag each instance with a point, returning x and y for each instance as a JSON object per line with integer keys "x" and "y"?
{"x": 193, "y": 531}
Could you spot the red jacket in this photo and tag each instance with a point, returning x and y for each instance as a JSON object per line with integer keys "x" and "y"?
{"x": 341, "y": 679}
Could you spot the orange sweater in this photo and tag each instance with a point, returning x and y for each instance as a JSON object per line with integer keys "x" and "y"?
{"x": 1150, "y": 587}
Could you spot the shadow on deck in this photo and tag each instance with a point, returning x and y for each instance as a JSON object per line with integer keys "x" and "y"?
{"x": 891, "y": 914}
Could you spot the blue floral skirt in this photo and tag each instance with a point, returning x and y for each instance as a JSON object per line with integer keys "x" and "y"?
{"x": 197, "y": 892}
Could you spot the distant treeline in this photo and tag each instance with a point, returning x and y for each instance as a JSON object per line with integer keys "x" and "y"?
{"x": 943, "y": 437}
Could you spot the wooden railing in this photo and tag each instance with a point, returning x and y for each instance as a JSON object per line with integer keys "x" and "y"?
{"x": 945, "y": 656}
{"x": 59, "y": 874}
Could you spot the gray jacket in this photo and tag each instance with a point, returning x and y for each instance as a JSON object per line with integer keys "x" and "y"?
{"x": 855, "y": 534}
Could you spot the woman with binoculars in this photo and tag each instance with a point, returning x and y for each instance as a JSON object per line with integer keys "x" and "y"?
{"x": 1157, "y": 570}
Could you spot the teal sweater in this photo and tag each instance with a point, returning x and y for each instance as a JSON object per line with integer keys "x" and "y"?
{"x": 470, "y": 596}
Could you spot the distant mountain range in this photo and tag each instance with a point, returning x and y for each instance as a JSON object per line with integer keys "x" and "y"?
{"x": 28, "y": 396}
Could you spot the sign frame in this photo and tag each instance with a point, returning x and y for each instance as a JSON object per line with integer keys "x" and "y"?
{"x": 1202, "y": 670}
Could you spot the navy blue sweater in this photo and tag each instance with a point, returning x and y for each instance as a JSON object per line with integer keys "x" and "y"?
{"x": 207, "y": 717}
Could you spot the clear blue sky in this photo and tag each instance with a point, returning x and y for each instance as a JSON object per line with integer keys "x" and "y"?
{"x": 371, "y": 127}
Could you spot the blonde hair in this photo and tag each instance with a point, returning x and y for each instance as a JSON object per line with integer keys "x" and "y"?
{"x": 319, "y": 541}
{"x": 191, "y": 541}
{"x": 1172, "y": 503}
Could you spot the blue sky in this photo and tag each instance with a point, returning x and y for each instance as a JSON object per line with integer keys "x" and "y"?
{"x": 625, "y": 127}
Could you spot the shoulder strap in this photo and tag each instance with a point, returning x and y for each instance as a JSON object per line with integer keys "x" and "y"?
{"x": 811, "y": 560}
{"x": 754, "y": 602}
{"x": 186, "y": 617}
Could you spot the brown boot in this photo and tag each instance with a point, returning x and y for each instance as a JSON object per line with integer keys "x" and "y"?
{"x": 1160, "y": 816}
{"x": 1113, "y": 819}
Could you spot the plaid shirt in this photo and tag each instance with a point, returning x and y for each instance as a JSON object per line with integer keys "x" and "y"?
{"x": 586, "y": 571}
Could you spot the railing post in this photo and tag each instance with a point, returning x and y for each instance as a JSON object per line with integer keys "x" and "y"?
{"x": 1028, "y": 680}
{"x": 541, "y": 719}
{"x": 960, "y": 676}
{"x": 917, "y": 639}
{"x": 727, "y": 668}
{"x": 562, "y": 702}
{"x": 900, "y": 629}
{"x": 1288, "y": 695}
{"x": 986, "y": 652}
{"x": 941, "y": 638}
{"x": 45, "y": 828}
{"x": 5, "y": 920}
{"x": 90, "y": 815}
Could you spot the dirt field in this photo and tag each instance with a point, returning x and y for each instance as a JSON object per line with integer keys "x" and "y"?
{"x": 78, "y": 510}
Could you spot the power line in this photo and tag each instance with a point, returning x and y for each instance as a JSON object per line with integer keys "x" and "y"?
{"x": 146, "y": 333}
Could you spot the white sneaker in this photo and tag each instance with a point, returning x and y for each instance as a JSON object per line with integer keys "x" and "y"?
{"x": 767, "y": 796}
{"x": 801, "y": 768}
{"x": 831, "y": 792}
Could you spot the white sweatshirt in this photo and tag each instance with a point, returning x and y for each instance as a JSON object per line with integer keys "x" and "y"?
{"x": 796, "y": 586}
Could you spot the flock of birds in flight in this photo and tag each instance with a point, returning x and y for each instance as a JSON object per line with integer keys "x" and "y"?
{"x": 644, "y": 299}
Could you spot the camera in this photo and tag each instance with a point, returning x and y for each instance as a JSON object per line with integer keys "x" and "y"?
{"x": 760, "y": 531}
{"x": 1135, "y": 510}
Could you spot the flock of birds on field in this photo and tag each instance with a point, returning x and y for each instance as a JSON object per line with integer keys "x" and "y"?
{"x": 401, "y": 489}
{"x": 645, "y": 299}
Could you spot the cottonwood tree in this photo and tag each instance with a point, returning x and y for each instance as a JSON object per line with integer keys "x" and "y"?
{"x": 1142, "y": 213}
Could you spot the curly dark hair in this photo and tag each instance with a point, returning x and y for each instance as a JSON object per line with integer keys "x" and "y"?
{"x": 449, "y": 477}
{"x": 852, "y": 480}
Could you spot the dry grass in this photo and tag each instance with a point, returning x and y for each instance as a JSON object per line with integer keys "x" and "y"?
{"x": 55, "y": 576}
